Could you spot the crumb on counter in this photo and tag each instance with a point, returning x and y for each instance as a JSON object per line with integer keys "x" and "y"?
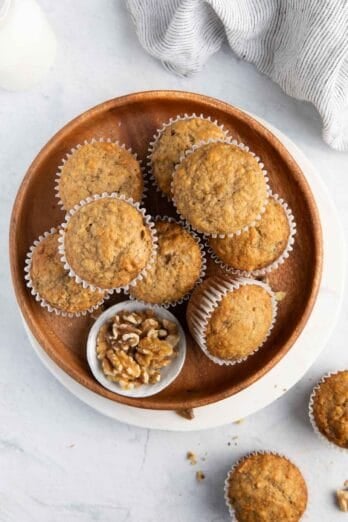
{"x": 192, "y": 457}
{"x": 200, "y": 476}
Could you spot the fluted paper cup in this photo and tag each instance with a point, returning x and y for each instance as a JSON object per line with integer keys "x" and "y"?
{"x": 245, "y": 148}
{"x": 202, "y": 308}
{"x": 147, "y": 220}
{"x": 157, "y": 137}
{"x": 89, "y": 142}
{"x": 167, "y": 304}
{"x": 35, "y": 293}
{"x": 277, "y": 262}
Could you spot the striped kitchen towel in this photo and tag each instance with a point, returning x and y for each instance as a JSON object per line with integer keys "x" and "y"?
{"x": 301, "y": 44}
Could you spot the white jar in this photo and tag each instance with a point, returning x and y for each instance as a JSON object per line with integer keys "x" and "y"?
{"x": 27, "y": 44}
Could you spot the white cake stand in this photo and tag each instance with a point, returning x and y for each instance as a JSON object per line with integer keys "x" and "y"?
{"x": 286, "y": 373}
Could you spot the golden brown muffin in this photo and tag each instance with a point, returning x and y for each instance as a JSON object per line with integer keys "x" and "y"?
{"x": 330, "y": 408}
{"x": 267, "y": 488}
{"x": 239, "y": 323}
{"x": 219, "y": 189}
{"x": 52, "y": 282}
{"x": 176, "y": 269}
{"x": 107, "y": 243}
{"x": 99, "y": 167}
{"x": 260, "y": 245}
{"x": 174, "y": 141}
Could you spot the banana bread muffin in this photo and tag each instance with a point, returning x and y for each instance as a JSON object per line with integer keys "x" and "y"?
{"x": 98, "y": 167}
{"x": 230, "y": 319}
{"x": 266, "y": 488}
{"x": 173, "y": 141}
{"x": 329, "y": 407}
{"x": 261, "y": 245}
{"x": 107, "y": 242}
{"x": 52, "y": 284}
{"x": 219, "y": 188}
{"x": 176, "y": 269}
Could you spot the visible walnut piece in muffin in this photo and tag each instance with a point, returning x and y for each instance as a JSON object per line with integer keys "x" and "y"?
{"x": 219, "y": 188}
{"x": 176, "y": 269}
{"x": 267, "y": 488}
{"x": 134, "y": 347}
{"x": 107, "y": 242}
{"x": 52, "y": 282}
{"x": 260, "y": 245}
{"x": 99, "y": 167}
{"x": 330, "y": 408}
{"x": 174, "y": 141}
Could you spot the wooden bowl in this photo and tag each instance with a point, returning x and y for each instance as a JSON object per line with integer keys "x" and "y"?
{"x": 133, "y": 119}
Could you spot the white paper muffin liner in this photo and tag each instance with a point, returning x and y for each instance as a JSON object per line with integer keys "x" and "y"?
{"x": 198, "y": 318}
{"x": 36, "y": 295}
{"x": 158, "y": 135}
{"x": 231, "y": 510}
{"x": 277, "y": 262}
{"x": 69, "y": 154}
{"x": 326, "y": 441}
{"x": 244, "y": 147}
{"x": 167, "y": 304}
{"x": 147, "y": 220}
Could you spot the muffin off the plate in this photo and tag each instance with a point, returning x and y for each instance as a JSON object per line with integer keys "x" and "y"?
{"x": 230, "y": 320}
{"x": 264, "y": 487}
{"x": 107, "y": 243}
{"x": 177, "y": 267}
{"x": 220, "y": 189}
{"x": 97, "y": 167}
{"x": 261, "y": 246}
{"x": 52, "y": 284}
{"x": 329, "y": 408}
{"x": 173, "y": 141}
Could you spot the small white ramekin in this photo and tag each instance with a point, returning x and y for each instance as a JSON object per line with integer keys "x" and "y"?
{"x": 168, "y": 373}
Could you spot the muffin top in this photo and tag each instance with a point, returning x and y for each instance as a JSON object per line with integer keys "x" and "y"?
{"x": 52, "y": 282}
{"x": 240, "y": 322}
{"x": 330, "y": 408}
{"x": 99, "y": 167}
{"x": 219, "y": 188}
{"x": 176, "y": 269}
{"x": 174, "y": 141}
{"x": 260, "y": 245}
{"x": 267, "y": 488}
{"x": 107, "y": 243}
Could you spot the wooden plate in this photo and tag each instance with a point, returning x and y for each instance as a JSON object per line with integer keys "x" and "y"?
{"x": 133, "y": 119}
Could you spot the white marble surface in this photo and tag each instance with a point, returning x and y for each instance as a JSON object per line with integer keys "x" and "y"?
{"x": 59, "y": 460}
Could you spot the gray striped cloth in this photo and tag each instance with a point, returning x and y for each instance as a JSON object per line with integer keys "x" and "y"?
{"x": 301, "y": 44}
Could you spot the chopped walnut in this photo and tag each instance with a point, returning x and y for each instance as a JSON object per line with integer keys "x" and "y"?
{"x": 187, "y": 413}
{"x": 280, "y": 296}
{"x": 342, "y": 499}
{"x": 191, "y": 457}
{"x": 200, "y": 476}
{"x": 134, "y": 346}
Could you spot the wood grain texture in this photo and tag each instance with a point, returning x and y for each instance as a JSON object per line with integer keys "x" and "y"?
{"x": 133, "y": 119}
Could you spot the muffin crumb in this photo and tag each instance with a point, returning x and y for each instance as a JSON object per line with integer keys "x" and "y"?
{"x": 192, "y": 457}
{"x": 200, "y": 476}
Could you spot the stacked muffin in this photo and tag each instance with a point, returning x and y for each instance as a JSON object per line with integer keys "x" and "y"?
{"x": 108, "y": 242}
